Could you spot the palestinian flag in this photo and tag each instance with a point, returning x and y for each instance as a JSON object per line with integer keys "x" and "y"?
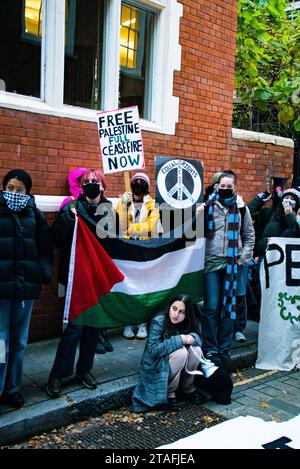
{"x": 114, "y": 281}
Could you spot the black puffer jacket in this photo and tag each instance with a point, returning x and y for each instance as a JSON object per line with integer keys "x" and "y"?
{"x": 25, "y": 252}
{"x": 63, "y": 227}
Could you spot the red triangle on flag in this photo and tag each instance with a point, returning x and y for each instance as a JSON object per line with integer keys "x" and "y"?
{"x": 95, "y": 273}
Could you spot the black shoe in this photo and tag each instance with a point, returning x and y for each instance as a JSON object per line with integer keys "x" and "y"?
{"x": 225, "y": 356}
{"x": 215, "y": 358}
{"x": 14, "y": 400}
{"x": 100, "y": 349}
{"x": 54, "y": 386}
{"x": 172, "y": 404}
{"x": 104, "y": 340}
{"x": 194, "y": 397}
{"x": 87, "y": 379}
{"x": 226, "y": 360}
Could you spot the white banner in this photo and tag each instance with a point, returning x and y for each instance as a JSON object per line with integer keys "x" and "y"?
{"x": 121, "y": 140}
{"x": 279, "y": 326}
{"x": 244, "y": 433}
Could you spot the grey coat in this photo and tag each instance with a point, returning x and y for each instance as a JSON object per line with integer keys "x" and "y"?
{"x": 218, "y": 245}
{"x": 152, "y": 388}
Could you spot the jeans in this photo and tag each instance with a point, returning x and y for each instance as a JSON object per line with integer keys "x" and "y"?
{"x": 241, "y": 314}
{"x": 63, "y": 366}
{"x": 14, "y": 327}
{"x": 217, "y": 331}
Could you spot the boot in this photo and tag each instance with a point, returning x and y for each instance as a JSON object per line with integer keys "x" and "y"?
{"x": 104, "y": 341}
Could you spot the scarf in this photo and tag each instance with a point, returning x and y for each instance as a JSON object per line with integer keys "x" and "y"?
{"x": 16, "y": 202}
{"x": 229, "y": 295}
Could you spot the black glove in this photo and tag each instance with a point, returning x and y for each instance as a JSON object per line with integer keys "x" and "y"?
{"x": 264, "y": 196}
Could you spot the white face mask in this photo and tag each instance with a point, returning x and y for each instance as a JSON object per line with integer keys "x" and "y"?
{"x": 290, "y": 202}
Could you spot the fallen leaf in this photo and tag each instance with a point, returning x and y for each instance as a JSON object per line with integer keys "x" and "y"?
{"x": 264, "y": 405}
{"x": 208, "y": 419}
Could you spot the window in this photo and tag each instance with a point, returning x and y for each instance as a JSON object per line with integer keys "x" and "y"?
{"x": 32, "y": 20}
{"x": 136, "y": 41}
{"x": 71, "y": 58}
{"x": 20, "y": 46}
{"x": 83, "y": 53}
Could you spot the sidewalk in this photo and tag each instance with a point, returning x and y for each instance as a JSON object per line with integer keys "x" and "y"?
{"x": 116, "y": 374}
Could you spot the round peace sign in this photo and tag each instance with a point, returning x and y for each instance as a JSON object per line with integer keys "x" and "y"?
{"x": 187, "y": 187}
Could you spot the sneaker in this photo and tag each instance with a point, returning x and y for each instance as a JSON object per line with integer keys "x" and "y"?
{"x": 54, "y": 386}
{"x": 87, "y": 379}
{"x": 239, "y": 337}
{"x": 128, "y": 332}
{"x": 14, "y": 400}
{"x": 142, "y": 332}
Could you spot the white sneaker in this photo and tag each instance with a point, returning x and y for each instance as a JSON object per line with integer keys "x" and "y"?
{"x": 128, "y": 332}
{"x": 239, "y": 337}
{"x": 142, "y": 331}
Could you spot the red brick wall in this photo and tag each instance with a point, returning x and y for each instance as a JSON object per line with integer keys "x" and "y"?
{"x": 49, "y": 147}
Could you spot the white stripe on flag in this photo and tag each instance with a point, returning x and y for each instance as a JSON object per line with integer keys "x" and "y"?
{"x": 162, "y": 273}
{"x": 71, "y": 273}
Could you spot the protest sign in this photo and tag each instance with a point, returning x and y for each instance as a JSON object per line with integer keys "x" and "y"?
{"x": 279, "y": 326}
{"x": 120, "y": 140}
{"x": 179, "y": 182}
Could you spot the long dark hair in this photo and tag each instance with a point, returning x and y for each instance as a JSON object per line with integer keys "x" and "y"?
{"x": 189, "y": 324}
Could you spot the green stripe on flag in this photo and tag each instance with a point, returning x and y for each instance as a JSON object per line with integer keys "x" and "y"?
{"x": 119, "y": 309}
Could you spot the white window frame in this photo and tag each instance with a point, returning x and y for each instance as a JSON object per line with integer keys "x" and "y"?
{"x": 164, "y": 109}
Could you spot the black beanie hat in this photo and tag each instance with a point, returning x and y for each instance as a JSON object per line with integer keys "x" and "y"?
{"x": 19, "y": 174}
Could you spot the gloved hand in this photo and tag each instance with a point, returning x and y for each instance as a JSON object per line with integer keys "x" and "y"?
{"x": 264, "y": 196}
{"x": 127, "y": 197}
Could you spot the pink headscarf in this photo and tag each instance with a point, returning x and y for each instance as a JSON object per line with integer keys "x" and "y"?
{"x": 74, "y": 184}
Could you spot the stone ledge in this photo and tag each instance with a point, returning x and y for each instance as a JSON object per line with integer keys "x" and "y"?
{"x": 251, "y": 136}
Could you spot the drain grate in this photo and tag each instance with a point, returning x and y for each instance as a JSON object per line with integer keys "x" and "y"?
{"x": 123, "y": 430}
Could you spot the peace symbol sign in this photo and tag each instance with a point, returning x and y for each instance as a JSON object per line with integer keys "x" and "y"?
{"x": 180, "y": 187}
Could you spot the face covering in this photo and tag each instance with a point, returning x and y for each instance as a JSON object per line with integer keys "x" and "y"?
{"x": 91, "y": 190}
{"x": 225, "y": 193}
{"x": 139, "y": 188}
{"x": 290, "y": 202}
{"x": 16, "y": 202}
{"x": 298, "y": 220}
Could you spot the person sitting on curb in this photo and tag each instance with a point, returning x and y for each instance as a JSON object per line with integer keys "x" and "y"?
{"x": 170, "y": 357}
{"x": 93, "y": 185}
{"x": 139, "y": 219}
{"x": 25, "y": 263}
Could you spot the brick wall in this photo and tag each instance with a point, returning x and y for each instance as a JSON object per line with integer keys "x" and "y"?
{"x": 49, "y": 147}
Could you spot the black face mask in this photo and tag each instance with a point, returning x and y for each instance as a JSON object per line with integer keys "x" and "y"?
{"x": 91, "y": 190}
{"x": 225, "y": 193}
{"x": 139, "y": 188}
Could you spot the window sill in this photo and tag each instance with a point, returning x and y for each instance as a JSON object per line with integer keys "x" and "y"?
{"x": 30, "y": 104}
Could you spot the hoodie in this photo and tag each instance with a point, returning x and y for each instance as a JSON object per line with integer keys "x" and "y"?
{"x": 74, "y": 185}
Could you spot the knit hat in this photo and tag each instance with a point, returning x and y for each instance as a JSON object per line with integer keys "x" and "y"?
{"x": 19, "y": 174}
{"x": 142, "y": 176}
{"x": 216, "y": 177}
{"x": 296, "y": 195}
